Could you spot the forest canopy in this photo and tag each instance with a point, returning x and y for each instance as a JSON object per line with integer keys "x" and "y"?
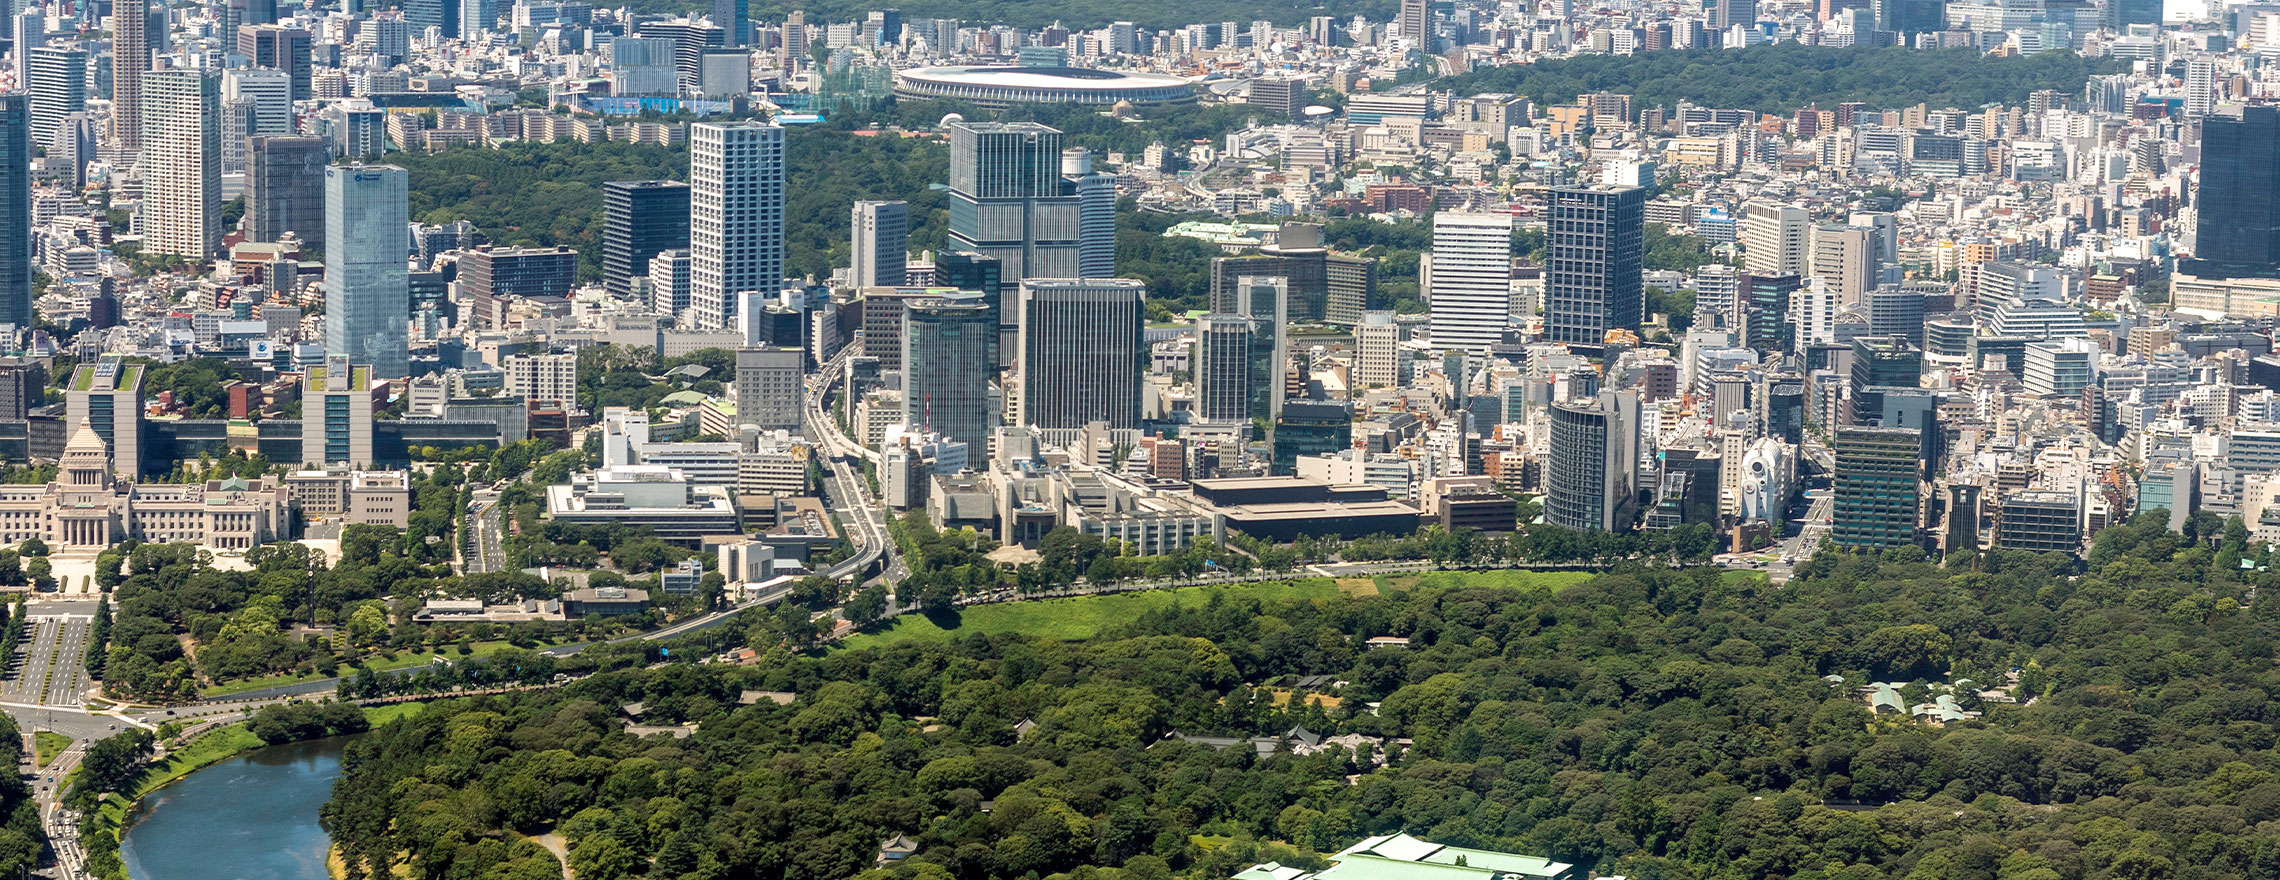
{"x": 1781, "y": 77}
{"x": 1652, "y": 722}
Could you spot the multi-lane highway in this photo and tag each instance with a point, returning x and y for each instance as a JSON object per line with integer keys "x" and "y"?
{"x": 49, "y": 667}
{"x": 488, "y": 550}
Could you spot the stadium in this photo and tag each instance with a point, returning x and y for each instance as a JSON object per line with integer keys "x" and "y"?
{"x": 999, "y": 87}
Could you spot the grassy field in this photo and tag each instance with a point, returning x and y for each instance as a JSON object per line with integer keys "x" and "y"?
{"x": 47, "y": 744}
{"x": 1511, "y": 579}
{"x": 1086, "y": 616}
{"x": 379, "y": 664}
{"x": 1082, "y": 617}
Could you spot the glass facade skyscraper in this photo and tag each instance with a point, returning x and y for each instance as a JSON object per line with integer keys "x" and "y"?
{"x": 640, "y": 218}
{"x": 16, "y": 212}
{"x": 2239, "y": 196}
{"x": 368, "y": 298}
{"x": 1082, "y": 359}
{"x": 1592, "y": 263}
{"x": 1877, "y": 487}
{"x": 947, "y": 344}
{"x": 1591, "y": 474}
{"x": 1008, "y": 199}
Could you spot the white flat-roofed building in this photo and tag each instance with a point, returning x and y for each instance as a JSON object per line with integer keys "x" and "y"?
{"x": 654, "y": 496}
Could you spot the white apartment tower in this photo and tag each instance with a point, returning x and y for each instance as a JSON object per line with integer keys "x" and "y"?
{"x": 1471, "y": 282}
{"x": 182, "y": 165}
{"x": 736, "y": 216}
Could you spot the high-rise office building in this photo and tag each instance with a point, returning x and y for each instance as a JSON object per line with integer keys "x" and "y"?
{"x": 268, "y": 92}
{"x": 735, "y": 20}
{"x": 669, "y": 282}
{"x": 1377, "y": 351}
{"x": 1471, "y": 279}
{"x": 880, "y": 244}
{"x": 1081, "y": 353}
{"x": 644, "y": 66}
{"x": 336, "y": 413}
{"x": 948, "y": 344}
{"x": 1096, "y": 213}
{"x": 1728, "y": 13}
{"x": 368, "y": 299}
{"x": 1591, "y": 475}
{"x": 182, "y": 169}
{"x": 1897, "y": 311}
{"x": 130, "y": 53}
{"x": 1308, "y": 427}
{"x": 489, "y": 272}
{"x": 1844, "y": 257}
{"x": 1596, "y": 254}
{"x": 279, "y": 48}
{"x": 795, "y": 46}
{"x": 980, "y": 274}
{"x": 768, "y": 388}
{"x": 1909, "y": 17}
{"x": 639, "y": 219}
{"x": 1009, "y": 200}
{"x": 16, "y": 212}
{"x": 1877, "y": 487}
{"x": 477, "y": 17}
{"x": 108, "y": 396}
{"x": 1222, "y": 367}
{"x": 1880, "y": 364}
{"x": 736, "y": 217}
{"x": 56, "y": 76}
{"x": 23, "y": 384}
{"x": 1266, "y": 301}
{"x": 285, "y": 188}
{"x": 1776, "y": 239}
{"x": 2238, "y": 201}
{"x": 2118, "y": 15}
{"x": 1416, "y": 24}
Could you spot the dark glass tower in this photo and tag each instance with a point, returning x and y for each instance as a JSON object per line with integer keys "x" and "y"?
{"x": 966, "y": 270}
{"x": 2239, "y": 197}
{"x": 640, "y": 219}
{"x": 1591, "y": 271}
{"x": 16, "y": 211}
{"x": 1877, "y": 485}
{"x": 1008, "y": 199}
{"x": 1765, "y": 312}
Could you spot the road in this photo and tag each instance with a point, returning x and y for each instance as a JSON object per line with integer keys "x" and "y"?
{"x": 49, "y": 667}
{"x": 486, "y": 531}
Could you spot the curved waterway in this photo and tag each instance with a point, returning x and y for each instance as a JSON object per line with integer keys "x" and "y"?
{"x": 252, "y": 817}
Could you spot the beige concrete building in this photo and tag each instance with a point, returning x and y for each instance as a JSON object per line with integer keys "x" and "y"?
{"x": 90, "y": 507}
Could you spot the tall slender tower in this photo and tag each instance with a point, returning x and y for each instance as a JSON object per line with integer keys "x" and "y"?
{"x": 182, "y": 171}
{"x": 16, "y": 212}
{"x": 1593, "y": 284}
{"x": 130, "y": 58}
{"x": 368, "y": 298}
{"x": 881, "y": 244}
{"x": 736, "y": 216}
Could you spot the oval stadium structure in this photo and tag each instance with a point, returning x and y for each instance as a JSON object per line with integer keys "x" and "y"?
{"x": 999, "y": 87}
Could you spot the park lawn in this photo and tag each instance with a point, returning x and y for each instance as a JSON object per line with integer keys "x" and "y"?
{"x": 1081, "y": 617}
{"x": 1502, "y": 578}
{"x": 379, "y": 664}
{"x": 47, "y": 744}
